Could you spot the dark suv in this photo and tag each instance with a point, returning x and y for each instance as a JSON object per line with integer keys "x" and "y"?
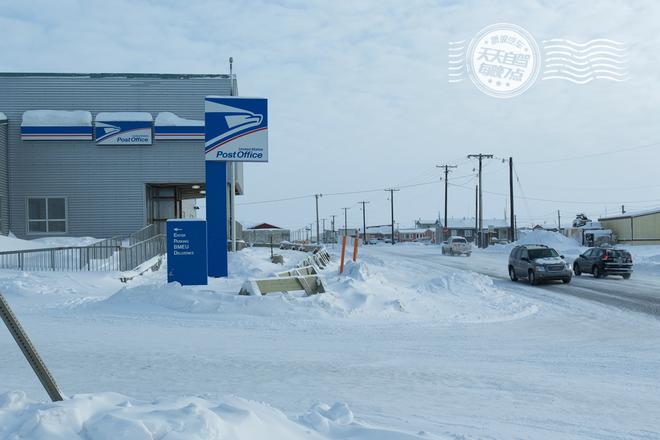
{"x": 603, "y": 261}
{"x": 538, "y": 262}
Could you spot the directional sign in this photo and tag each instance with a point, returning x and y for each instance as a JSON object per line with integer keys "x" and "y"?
{"x": 186, "y": 252}
{"x": 236, "y": 129}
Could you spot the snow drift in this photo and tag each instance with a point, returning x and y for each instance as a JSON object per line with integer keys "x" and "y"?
{"x": 110, "y": 416}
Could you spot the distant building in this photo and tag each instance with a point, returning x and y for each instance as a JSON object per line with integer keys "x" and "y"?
{"x": 263, "y": 233}
{"x": 639, "y": 227}
{"x": 493, "y": 228}
{"x": 416, "y": 234}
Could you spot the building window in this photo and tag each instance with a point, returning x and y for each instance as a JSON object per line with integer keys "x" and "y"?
{"x": 46, "y": 215}
{"x": 468, "y": 233}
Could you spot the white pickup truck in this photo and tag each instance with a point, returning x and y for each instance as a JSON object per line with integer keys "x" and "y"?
{"x": 456, "y": 246}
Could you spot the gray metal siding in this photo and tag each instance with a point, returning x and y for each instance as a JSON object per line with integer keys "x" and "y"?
{"x": 4, "y": 180}
{"x": 104, "y": 185}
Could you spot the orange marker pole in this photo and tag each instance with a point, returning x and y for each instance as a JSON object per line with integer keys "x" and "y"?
{"x": 355, "y": 246}
{"x": 343, "y": 252}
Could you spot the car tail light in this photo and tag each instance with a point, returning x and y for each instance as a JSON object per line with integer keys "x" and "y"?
{"x": 606, "y": 256}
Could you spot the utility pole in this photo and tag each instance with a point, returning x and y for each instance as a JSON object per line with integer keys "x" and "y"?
{"x": 316, "y": 196}
{"x": 559, "y": 220}
{"x": 513, "y": 226}
{"x": 476, "y": 215}
{"x": 481, "y": 156}
{"x": 323, "y": 240}
{"x": 392, "y": 190}
{"x": 333, "y": 226}
{"x": 364, "y": 221}
{"x": 345, "y": 220}
{"x": 446, "y": 167}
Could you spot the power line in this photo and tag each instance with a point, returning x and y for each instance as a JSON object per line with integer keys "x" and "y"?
{"x": 604, "y": 153}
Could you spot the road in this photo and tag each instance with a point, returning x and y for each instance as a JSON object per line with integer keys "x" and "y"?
{"x": 641, "y": 293}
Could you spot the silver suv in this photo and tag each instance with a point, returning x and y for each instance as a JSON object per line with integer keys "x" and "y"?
{"x": 538, "y": 262}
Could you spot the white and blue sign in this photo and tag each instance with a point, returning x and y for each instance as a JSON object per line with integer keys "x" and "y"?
{"x": 57, "y": 133}
{"x": 56, "y": 125}
{"x": 187, "y": 133}
{"x": 186, "y": 252}
{"x": 169, "y": 126}
{"x": 123, "y": 129}
{"x": 236, "y": 129}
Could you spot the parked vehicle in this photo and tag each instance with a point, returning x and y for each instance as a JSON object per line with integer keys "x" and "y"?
{"x": 604, "y": 261}
{"x": 538, "y": 262}
{"x": 456, "y": 246}
{"x": 373, "y": 241}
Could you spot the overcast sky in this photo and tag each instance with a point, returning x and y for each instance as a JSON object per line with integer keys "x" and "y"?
{"x": 360, "y": 99}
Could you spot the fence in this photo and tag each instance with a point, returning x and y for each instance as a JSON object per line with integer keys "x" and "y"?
{"x": 106, "y": 255}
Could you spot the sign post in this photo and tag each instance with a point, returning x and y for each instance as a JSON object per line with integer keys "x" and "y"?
{"x": 236, "y": 130}
{"x": 186, "y": 252}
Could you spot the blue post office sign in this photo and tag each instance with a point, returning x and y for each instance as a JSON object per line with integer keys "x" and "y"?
{"x": 123, "y": 128}
{"x": 186, "y": 252}
{"x": 236, "y": 129}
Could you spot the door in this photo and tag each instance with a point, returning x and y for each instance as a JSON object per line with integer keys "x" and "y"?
{"x": 522, "y": 263}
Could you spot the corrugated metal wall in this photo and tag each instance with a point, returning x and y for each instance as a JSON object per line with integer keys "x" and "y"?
{"x": 642, "y": 229}
{"x": 4, "y": 180}
{"x": 104, "y": 185}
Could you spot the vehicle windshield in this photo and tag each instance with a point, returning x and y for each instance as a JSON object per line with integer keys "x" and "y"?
{"x": 542, "y": 253}
{"x": 459, "y": 240}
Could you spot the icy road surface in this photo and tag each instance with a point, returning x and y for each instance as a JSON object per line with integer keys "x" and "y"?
{"x": 640, "y": 293}
{"x": 409, "y": 340}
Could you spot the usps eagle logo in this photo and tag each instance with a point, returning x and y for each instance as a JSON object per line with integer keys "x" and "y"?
{"x": 236, "y": 129}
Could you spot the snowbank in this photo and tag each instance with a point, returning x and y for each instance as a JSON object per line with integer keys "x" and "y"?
{"x": 61, "y": 118}
{"x": 107, "y": 416}
{"x": 562, "y": 244}
{"x": 17, "y": 244}
{"x": 3, "y": 117}
{"x": 170, "y": 119}
{"x": 373, "y": 288}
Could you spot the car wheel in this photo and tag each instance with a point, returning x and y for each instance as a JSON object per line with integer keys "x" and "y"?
{"x": 576, "y": 269}
{"x": 468, "y": 254}
{"x": 566, "y": 280}
{"x": 443, "y": 251}
{"x": 626, "y": 276}
{"x": 597, "y": 272}
{"x": 532, "y": 278}
{"x": 512, "y": 274}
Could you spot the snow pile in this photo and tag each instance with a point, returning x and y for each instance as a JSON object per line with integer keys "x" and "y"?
{"x": 10, "y": 243}
{"x": 170, "y": 119}
{"x": 645, "y": 258}
{"x": 371, "y": 288}
{"x": 57, "y": 118}
{"x": 109, "y": 416}
{"x": 3, "y": 117}
{"x": 562, "y": 244}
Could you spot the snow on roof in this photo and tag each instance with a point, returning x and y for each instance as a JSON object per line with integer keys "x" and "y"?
{"x": 172, "y": 120}
{"x": 57, "y": 118}
{"x": 631, "y": 214}
{"x": 427, "y": 222}
{"x": 124, "y": 116}
{"x": 3, "y": 117}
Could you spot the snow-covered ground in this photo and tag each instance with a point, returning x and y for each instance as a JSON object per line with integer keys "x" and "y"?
{"x": 402, "y": 346}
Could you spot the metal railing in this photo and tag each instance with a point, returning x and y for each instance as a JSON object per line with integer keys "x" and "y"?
{"x": 69, "y": 259}
{"x": 106, "y": 255}
{"x": 132, "y": 256}
{"x": 143, "y": 234}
